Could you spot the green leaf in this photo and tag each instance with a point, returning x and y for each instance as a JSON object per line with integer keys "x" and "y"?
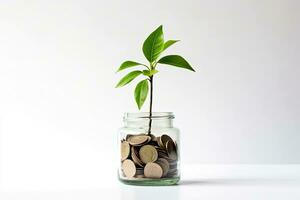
{"x": 141, "y": 92}
{"x": 149, "y": 72}
{"x": 128, "y": 78}
{"x": 154, "y": 45}
{"x": 177, "y": 61}
{"x": 128, "y": 64}
{"x": 169, "y": 43}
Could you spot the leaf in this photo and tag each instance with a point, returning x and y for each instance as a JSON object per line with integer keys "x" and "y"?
{"x": 169, "y": 43}
{"x": 154, "y": 44}
{"x": 141, "y": 92}
{"x": 177, "y": 61}
{"x": 128, "y": 78}
{"x": 149, "y": 72}
{"x": 128, "y": 64}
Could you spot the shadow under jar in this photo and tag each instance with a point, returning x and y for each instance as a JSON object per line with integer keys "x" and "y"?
{"x": 149, "y": 156}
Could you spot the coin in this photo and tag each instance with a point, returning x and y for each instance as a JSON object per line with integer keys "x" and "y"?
{"x": 171, "y": 150}
{"x": 160, "y": 143}
{"x": 139, "y": 171}
{"x": 125, "y": 150}
{"x": 172, "y": 172}
{"x": 164, "y": 139}
{"x": 162, "y": 153}
{"x": 160, "y": 150}
{"x": 127, "y": 136}
{"x": 148, "y": 154}
{"x": 137, "y": 140}
{"x": 135, "y": 158}
{"x": 153, "y": 170}
{"x": 172, "y": 167}
{"x": 173, "y": 164}
{"x": 165, "y": 156}
{"x": 164, "y": 165}
{"x": 128, "y": 168}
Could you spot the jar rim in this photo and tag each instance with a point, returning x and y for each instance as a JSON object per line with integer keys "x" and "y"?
{"x": 146, "y": 115}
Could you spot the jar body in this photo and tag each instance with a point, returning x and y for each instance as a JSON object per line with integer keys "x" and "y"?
{"x": 149, "y": 150}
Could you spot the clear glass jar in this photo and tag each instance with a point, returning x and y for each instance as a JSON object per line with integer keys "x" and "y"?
{"x": 149, "y": 156}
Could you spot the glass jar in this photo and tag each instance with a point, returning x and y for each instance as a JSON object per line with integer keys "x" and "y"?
{"x": 149, "y": 149}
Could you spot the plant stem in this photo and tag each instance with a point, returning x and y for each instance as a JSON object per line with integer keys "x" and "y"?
{"x": 151, "y": 100}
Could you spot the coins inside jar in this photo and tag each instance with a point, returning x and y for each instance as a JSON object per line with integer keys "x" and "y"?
{"x": 153, "y": 170}
{"x": 148, "y": 156}
{"x": 171, "y": 150}
{"x": 137, "y": 140}
{"x": 125, "y": 150}
{"x": 164, "y": 165}
{"x": 135, "y": 158}
{"x": 164, "y": 139}
{"x": 128, "y": 168}
{"x": 148, "y": 153}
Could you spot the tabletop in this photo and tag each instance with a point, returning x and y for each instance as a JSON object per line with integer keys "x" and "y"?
{"x": 198, "y": 182}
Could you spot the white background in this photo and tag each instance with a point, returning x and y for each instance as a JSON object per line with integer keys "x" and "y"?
{"x": 59, "y": 110}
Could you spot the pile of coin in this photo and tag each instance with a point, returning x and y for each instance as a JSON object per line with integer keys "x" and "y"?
{"x": 147, "y": 156}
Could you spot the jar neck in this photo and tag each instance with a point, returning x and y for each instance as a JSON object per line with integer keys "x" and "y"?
{"x": 159, "y": 119}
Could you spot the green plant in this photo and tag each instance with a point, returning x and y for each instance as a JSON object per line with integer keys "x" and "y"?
{"x": 153, "y": 46}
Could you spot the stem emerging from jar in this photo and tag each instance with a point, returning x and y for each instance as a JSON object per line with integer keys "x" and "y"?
{"x": 152, "y": 67}
{"x": 151, "y": 102}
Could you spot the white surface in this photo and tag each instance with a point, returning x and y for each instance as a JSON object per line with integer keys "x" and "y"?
{"x": 230, "y": 182}
{"x": 59, "y": 111}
